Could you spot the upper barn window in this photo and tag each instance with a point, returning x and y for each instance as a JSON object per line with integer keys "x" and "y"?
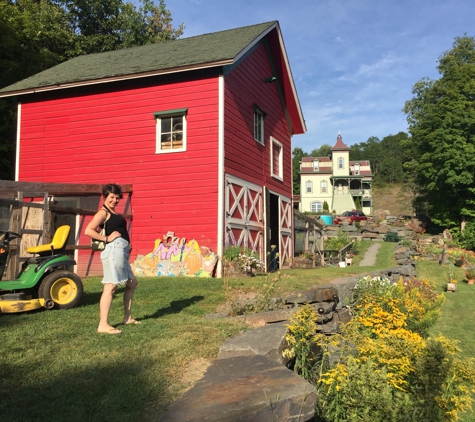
{"x": 259, "y": 116}
{"x": 171, "y": 130}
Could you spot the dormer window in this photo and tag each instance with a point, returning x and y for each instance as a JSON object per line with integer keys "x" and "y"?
{"x": 315, "y": 165}
{"x": 357, "y": 168}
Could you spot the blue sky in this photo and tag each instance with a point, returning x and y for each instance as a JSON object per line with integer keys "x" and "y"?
{"x": 354, "y": 62}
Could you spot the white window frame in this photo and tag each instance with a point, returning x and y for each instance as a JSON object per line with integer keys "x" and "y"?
{"x": 308, "y": 186}
{"x": 160, "y": 116}
{"x": 259, "y": 116}
{"x": 280, "y": 173}
{"x": 323, "y": 186}
{"x": 316, "y": 206}
{"x": 315, "y": 165}
{"x": 341, "y": 163}
{"x": 357, "y": 168}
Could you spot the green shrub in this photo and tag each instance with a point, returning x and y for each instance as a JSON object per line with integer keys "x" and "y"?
{"x": 325, "y": 206}
{"x": 231, "y": 253}
{"x": 341, "y": 239}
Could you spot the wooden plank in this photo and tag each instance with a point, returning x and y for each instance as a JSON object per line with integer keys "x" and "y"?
{"x": 8, "y": 187}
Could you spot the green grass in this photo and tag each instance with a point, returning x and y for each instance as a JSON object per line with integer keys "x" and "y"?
{"x": 54, "y": 366}
{"x": 458, "y": 311}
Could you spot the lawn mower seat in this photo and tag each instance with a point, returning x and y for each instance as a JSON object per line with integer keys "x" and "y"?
{"x": 58, "y": 244}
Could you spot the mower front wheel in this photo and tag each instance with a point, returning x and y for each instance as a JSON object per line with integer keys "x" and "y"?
{"x": 64, "y": 288}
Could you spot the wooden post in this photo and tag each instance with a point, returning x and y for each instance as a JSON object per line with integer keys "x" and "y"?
{"x": 442, "y": 257}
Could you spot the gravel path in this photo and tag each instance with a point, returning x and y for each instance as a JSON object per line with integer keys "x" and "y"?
{"x": 369, "y": 258}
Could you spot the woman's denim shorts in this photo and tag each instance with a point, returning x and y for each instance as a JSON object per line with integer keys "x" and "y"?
{"x": 115, "y": 261}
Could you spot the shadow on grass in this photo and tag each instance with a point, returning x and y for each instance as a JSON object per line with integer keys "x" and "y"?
{"x": 94, "y": 393}
{"x": 175, "y": 307}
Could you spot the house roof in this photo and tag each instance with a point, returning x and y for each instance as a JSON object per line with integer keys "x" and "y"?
{"x": 340, "y": 146}
{"x": 319, "y": 159}
{"x": 199, "y": 52}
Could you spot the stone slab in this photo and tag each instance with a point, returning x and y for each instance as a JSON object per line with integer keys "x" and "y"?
{"x": 246, "y": 389}
{"x": 270, "y": 317}
{"x": 266, "y": 341}
{"x": 317, "y": 294}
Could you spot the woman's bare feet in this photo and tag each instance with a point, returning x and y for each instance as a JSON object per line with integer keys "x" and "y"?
{"x": 131, "y": 321}
{"x": 108, "y": 330}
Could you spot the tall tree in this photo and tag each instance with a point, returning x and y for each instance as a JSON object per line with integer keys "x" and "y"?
{"x": 392, "y": 162}
{"x": 324, "y": 151}
{"x": 297, "y": 155}
{"x": 441, "y": 117}
{"x": 112, "y": 24}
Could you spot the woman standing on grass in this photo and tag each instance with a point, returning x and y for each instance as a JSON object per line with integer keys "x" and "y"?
{"x": 114, "y": 257}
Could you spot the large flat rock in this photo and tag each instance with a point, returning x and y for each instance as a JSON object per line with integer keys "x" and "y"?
{"x": 247, "y": 389}
{"x": 266, "y": 341}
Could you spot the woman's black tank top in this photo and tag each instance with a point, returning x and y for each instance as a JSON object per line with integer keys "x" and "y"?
{"x": 116, "y": 223}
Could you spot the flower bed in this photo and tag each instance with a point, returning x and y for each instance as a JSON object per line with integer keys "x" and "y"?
{"x": 383, "y": 366}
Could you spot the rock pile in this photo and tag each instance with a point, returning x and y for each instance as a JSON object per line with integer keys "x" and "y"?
{"x": 251, "y": 380}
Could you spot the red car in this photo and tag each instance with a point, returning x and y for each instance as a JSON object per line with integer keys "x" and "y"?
{"x": 350, "y": 216}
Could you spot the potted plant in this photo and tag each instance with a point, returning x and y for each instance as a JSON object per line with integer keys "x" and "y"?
{"x": 470, "y": 275}
{"x": 349, "y": 257}
{"x": 452, "y": 284}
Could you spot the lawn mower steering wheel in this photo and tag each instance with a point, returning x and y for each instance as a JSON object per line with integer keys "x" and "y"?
{"x": 9, "y": 235}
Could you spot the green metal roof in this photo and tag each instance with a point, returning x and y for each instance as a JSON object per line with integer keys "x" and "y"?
{"x": 218, "y": 48}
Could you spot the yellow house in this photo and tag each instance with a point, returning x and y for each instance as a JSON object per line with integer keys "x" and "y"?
{"x": 345, "y": 185}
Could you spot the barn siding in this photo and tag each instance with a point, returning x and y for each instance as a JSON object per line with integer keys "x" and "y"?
{"x": 110, "y": 137}
{"x": 244, "y": 157}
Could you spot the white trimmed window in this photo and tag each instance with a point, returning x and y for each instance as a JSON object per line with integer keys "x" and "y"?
{"x": 276, "y": 163}
{"x": 259, "y": 125}
{"x": 341, "y": 163}
{"x": 323, "y": 186}
{"x": 308, "y": 186}
{"x": 315, "y": 165}
{"x": 357, "y": 168}
{"x": 171, "y": 131}
{"x": 316, "y": 207}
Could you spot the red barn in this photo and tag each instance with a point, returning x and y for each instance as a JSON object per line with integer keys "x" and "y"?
{"x": 201, "y": 127}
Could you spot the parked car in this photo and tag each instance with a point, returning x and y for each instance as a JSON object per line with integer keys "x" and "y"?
{"x": 350, "y": 216}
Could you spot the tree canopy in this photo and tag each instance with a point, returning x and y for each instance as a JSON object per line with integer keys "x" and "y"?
{"x": 441, "y": 117}
{"x": 38, "y": 34}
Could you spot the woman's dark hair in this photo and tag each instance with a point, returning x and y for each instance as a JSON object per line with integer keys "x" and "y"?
{"x": 111, "y": 188}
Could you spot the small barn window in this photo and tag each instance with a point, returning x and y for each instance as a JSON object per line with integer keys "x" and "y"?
{"x": 259, "y": 116}
{"x": 171, "y": 131}
{"x": 276, "y": 162}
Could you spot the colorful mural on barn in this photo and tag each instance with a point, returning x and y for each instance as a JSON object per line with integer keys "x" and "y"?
{"x": 174, "y": 256}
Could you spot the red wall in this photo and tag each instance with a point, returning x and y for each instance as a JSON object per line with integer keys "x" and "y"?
{"x": 244, "y": 157}
{"x": 110, "y": 137}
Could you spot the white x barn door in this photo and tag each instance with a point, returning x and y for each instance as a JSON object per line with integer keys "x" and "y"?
{"x": 285, "y": 231}
{"x": 244, "y": 215}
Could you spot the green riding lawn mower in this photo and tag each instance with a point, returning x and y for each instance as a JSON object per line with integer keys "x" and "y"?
{"x": 44, "y": 281}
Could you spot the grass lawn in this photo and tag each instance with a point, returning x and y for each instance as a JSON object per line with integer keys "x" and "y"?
{"x": 54, "y": 366}
{"x": 458, "y": 312}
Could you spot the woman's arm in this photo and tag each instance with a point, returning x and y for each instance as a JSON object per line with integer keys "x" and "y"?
{"x": 97, "y": 220}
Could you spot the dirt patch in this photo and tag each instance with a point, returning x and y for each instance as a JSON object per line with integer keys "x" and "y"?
{"x": 194, "y": 372}
{"x": 397, "y": 199}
